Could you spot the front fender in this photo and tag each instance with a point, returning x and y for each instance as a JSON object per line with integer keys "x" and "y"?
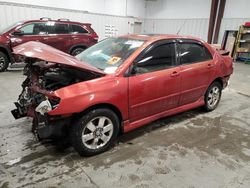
{"x": 79, "y": 97}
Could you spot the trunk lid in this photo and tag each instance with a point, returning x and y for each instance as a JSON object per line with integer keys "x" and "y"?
{"x": 45, "y": 52}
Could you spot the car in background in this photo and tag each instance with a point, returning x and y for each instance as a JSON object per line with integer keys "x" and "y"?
{"x": 67, "y": 36}
{"x": 117, "y": 85}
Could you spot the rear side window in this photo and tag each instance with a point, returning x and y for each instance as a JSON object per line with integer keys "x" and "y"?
{"x": 78, "y": 29}
{"x": 34, "y": 29}
{"x": 159, "y": 58}
{"x": 59, "y": 29}
{"x": 193, "y": 53}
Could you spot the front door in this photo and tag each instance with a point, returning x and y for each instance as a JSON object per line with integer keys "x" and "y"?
{"x": 29, "y": 32}
{"x": 155, "y": 85}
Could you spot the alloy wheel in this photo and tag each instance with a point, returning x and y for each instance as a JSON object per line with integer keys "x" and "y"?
{"x": 213, "y": 96}
{"x": 97, "y": 132}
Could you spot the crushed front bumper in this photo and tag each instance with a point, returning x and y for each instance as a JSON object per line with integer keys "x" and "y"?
{"x": 19, "y": 112}
{"x": 46, "y": 126}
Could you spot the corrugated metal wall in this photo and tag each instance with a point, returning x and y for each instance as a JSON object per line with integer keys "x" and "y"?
{"x": 193, "y": 27}
{"x": 13, "y": 12}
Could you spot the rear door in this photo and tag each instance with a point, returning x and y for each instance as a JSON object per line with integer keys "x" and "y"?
{"x": 59, "y": 35}
{"x": 197, "y": 68}
{"x": 79, "y": 36}
{"x": 35, "y": 31}
{"x": 155, "y": 85}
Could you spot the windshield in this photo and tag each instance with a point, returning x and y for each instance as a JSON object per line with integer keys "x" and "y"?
{"x": 2, "y": 31}
{"x": 110, "y": 53}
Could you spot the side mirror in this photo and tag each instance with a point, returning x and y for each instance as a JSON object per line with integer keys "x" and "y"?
{"x": 133, "y": 69}
{"x": 136, "y": 69}
{"x": 18, "y": 32}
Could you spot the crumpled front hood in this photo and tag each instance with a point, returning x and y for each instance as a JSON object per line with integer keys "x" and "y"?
{"x": 45, "y": 52}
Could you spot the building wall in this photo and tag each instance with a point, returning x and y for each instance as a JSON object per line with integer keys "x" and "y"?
{"x": 111, "y": 7}
{"x": 178, "y": 9}
{"x": 118, "y": 13}
{"x": 178, "y": 16}
{"x": 188, "y": 27}
{"x": 168, "y": 16}
{"x": 158, "y": 16}
{"x": 237, "y": 9}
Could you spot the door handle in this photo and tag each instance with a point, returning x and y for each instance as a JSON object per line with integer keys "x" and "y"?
{"x": 175, "y": 73}
{"x": 209, "y": 65}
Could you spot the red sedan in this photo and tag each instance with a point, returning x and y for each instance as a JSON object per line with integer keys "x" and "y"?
{"x": 117, "y": 85}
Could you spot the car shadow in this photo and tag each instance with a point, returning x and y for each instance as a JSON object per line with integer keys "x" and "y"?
{"x": 163, "y": 122}
{"x": 61, "y": 145}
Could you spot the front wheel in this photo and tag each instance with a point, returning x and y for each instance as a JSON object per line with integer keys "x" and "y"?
{"x": 95, "y": 132}
{"x": 212, "y": 96}
{"x": 4, "y": 62}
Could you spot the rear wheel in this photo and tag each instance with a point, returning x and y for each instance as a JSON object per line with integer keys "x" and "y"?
{"x": 212, "y": 96}
{"x": 4, "y": 62}
{"x": 95, "y": 132}
{"x": 77, "y": 51}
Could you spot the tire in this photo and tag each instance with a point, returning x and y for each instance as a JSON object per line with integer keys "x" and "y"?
{"x": 77, "y": 51}
{"x": 4, "y": 62}
{"x": 88, "y": 134}
{"x": 212, "y": 96}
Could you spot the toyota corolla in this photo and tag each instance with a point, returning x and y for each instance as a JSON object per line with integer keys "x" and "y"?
{"x": 117, "y": 85}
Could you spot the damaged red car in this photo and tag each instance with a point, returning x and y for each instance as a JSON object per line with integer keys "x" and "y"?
{"x": 117, "y": 85}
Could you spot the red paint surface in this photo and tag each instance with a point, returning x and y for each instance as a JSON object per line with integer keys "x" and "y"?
{"x": 140, "y": 98}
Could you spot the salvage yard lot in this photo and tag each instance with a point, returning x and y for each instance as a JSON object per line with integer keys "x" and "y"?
{"x": 192, "y": 149}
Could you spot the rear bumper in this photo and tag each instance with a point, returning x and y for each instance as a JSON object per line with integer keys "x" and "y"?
{"x": 225, "y": 81}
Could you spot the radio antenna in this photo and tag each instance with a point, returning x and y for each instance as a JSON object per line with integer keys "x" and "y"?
{"x": 181, "y": 27}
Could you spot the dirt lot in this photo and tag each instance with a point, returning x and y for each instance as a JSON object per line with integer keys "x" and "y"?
{"x": 192, "y": 149}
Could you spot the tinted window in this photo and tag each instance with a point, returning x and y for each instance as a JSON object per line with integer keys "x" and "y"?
{"x": 34, "y": 29}
{"x": 59, "y": 28}
{"x": 78, "y": 29}
{"x": 192, "y": 53}
{"x": 160, "y": 57}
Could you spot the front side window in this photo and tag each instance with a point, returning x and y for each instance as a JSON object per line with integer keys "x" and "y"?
{"x": 159, "y": 58}
{"x": 110, "y": 53}
{"x": 78, "y": 29}
{"x": 193, "y": 53}
{"x": 34, "y": 29}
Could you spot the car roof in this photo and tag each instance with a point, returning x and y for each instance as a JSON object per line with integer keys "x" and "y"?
{"x": 59, "y": 21}
{"x": 155, "y": 37}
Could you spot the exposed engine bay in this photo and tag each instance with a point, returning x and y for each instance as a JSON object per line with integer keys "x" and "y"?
{"x": 43, "y": 78}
